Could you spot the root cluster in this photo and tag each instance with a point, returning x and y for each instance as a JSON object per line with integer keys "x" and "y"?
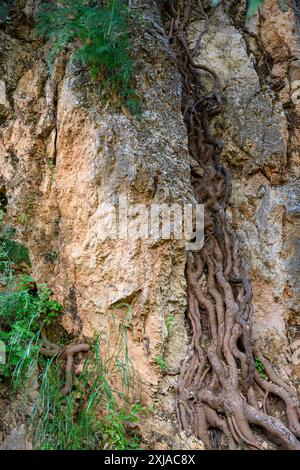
{"x": 67, "y": 353}
{"x": 221, "y": 397}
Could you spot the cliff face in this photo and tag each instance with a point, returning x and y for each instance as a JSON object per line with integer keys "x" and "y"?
{"x": 259, "y": 70}
{"x": 63, "y": 153}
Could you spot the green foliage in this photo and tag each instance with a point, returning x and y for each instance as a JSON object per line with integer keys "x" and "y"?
{"x": 24, "y": 309}
{"x": 100, "y": 34}
{"x": 14, "y": 251}
{"x": 104, "y": 400}
{"x": 161, "y": 362}
{"x": 114, "y": 428}
{"x": 97, "y": 412}
{"x": 170, "y": 324}
{"x": 252, "y": 5}
{"x": 260, "y": 368}
{"x": 11, "y": 252}
{"x": 24, "y": 218}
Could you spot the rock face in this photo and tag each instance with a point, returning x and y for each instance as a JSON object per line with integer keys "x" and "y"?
{"x": 64, "y": 153}
{"x": 260, "y": 131}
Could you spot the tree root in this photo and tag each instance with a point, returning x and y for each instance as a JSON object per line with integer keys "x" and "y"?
{"x": 218, "y": 387}
{"x": 51, "y": 349}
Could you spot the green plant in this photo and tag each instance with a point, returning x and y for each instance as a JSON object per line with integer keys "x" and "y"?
{"x": 11, "y": 251}
{"x": 100, "y": 35}
{"x": 24, "y": 218}
{"x": 25, "y": 308}
{"x": 115, "y": 425}
{"x": 161, "y": 362}
{"x": 260, "y": 368}
{"x": 98, "y": 411}
{"x": 169, "y": 324}
{"x": 102, "y": 400}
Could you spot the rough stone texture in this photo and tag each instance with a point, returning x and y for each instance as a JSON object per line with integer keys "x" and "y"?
{"x": 63, "y": 153}
{"x": 13, "y": 414}
{"x": 158, "y": 436}
{"x": 16, "y": 440}
{"x": 260, "y": 130}
{"x": 253, "y": 126}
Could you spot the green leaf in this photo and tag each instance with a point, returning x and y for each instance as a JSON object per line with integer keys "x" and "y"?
{"x": 16, "y": 252}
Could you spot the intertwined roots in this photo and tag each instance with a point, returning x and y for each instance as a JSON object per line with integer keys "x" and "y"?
{"x": 221, "y": 398}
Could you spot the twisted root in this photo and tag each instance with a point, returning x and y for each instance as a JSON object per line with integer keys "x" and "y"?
{"x": 51, "y": 349}
{"x": 218, "y": 387}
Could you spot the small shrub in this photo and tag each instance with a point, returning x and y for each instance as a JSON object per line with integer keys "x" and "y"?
{"x": 24, "y": 218}
{"x": 260, "y": 368}
{"x": 24, "y": 311}
{"x": 100, "y": 34}
{"x": 14, "y": 251}
{"x": 161, "y": 362}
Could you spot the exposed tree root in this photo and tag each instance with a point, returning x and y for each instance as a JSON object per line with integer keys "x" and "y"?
{"x": 51, "y": 349}
{"x": 218, "y": 387}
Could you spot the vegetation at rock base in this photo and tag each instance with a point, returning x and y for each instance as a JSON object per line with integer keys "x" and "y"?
{"x": 25, "y": 308}
{"x": 101, "y": 402}
{"x": 100, "y": 34}
{"x": 101, "y": 409}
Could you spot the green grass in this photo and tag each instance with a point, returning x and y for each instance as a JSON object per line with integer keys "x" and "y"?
{"x": 100, "y": 35}
{"x": 98, "y": 411}
{"x": 3, "y": 12}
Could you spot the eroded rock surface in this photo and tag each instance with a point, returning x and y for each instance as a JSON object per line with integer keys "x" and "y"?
{"x": 63, "y": 153}
{"x": 260, "y": 131}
